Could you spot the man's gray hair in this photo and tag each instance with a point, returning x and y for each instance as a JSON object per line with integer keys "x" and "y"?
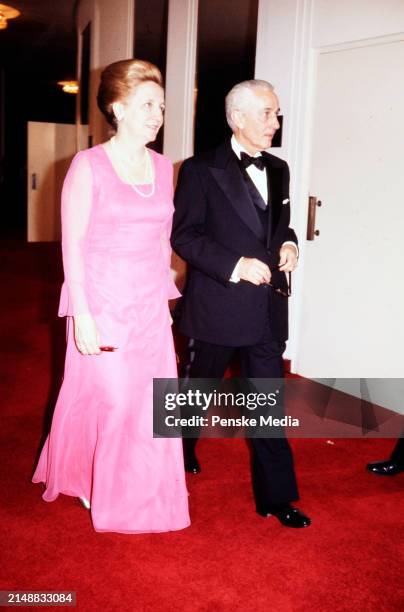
{"x": 237, "y": 98}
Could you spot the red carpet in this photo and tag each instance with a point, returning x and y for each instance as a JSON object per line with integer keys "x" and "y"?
{"x": 230, "y": 558}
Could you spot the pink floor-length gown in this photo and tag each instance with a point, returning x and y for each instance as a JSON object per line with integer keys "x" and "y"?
{"x": 116, "y": 256}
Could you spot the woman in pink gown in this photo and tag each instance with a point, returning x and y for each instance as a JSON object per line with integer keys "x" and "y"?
{"x": 116, "y": 217}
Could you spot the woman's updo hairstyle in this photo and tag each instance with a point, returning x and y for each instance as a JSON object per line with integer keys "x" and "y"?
{"x": 118, "y": 80}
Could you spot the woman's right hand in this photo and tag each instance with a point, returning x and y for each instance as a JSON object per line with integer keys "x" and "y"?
{"x": 86, "y": 335}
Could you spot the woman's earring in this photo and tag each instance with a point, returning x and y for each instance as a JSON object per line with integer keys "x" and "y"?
{"x": 118, "y": 111}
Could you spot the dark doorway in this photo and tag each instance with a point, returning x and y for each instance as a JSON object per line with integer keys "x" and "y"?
{"x": 151, "y": 18}
{"x": 37, "y": 50}
{"x": 227, "y": 33}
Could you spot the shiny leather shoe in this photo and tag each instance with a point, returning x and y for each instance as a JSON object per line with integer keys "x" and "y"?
{"x": 286, "y": 514}
{"x": 191, "y": 464}
{"x": 385, "y": 468}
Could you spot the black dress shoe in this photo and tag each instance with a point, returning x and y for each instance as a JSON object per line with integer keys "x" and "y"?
{"x": 286, "y": 514}
{"x": 385, "y": 468}
{"x": 191, "y": 463}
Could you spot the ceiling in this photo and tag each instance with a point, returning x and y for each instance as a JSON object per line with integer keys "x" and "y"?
{"x": 42, "y": 38}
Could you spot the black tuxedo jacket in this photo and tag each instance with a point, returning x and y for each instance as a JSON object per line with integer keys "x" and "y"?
{"x": 215, "y": 223}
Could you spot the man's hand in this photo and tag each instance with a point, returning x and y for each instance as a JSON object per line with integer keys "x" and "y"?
{"x": 86, "y": 335}
{"x": 287, "y": 258}
{"x": 254, "y": 271}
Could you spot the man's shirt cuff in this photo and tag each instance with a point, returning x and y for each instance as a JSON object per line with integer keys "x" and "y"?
{"x": 234, "y": 278}
{"x": 292, "y": 244}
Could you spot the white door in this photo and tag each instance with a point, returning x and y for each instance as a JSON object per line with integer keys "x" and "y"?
{"x": 352, "y": 317}
{"x": 51, "y": 147}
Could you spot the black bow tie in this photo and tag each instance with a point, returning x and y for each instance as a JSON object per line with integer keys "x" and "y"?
{"x": 246, "y": 160}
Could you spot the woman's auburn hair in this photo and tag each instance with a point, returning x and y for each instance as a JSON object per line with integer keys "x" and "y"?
{"x": 118, "y": 80}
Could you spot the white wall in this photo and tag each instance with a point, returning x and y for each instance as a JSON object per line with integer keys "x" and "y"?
{"x": 346, "y": 20}
{"x": 289, "y": 29}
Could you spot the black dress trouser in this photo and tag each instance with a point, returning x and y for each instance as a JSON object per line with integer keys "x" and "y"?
{"x": 398, "y": 452}
{"x": 273, "y": 474}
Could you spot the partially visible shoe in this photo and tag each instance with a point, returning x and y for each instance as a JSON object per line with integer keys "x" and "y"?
{"x": 286, "y": 514}
{"x": 191, "y": 464}
{"x": 85, "y": 503}
{"x": 385, "y": 468}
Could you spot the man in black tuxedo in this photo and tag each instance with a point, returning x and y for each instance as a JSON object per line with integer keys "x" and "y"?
{"x": 231, "y": 225}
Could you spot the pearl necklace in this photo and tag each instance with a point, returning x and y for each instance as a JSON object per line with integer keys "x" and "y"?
{"x": 149, "y": 171}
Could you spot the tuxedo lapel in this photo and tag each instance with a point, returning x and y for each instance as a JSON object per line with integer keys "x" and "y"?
{"x": 225, "y": 170}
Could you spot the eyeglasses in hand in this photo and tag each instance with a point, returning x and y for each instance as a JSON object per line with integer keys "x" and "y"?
{"x": 286, "y": 293}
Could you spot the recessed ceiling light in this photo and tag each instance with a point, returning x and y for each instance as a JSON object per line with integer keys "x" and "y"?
{"x": 7, "y": 12}
{"x": 71, "y": 87}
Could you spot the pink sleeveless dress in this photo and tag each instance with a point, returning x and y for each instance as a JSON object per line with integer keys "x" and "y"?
{"x": 116, "y": 258}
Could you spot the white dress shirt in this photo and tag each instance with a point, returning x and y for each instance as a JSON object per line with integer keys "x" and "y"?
{"x": 258, "y": 177}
